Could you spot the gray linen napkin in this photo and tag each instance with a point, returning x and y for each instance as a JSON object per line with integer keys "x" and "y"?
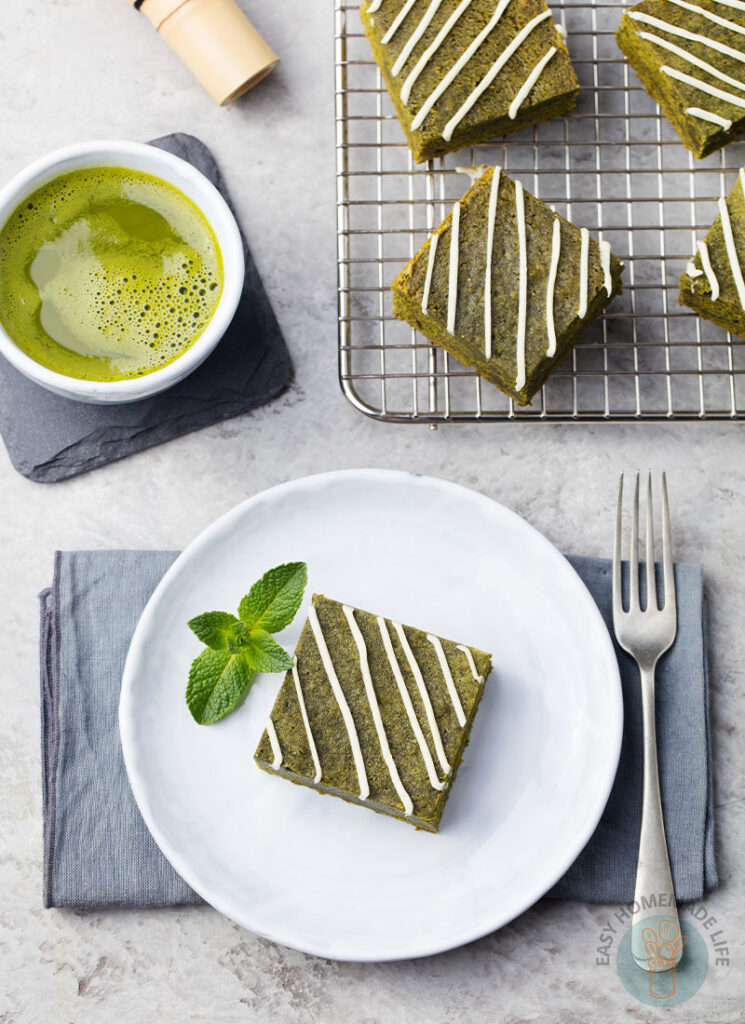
{"x": 99, "y": 853}
{"x": 51, "y": 438}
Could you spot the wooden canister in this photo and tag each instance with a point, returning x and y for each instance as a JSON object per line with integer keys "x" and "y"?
{"x": 215, "y": 40}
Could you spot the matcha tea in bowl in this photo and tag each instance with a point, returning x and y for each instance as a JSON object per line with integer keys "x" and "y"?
{"x": 121, "y": 267}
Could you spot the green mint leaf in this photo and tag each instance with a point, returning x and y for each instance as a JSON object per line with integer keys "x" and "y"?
{"x": 216, "y": 629}
{"x": 264, "y": 654}
{"x": 273, "y": 601}
{"x": 218, "y": 682}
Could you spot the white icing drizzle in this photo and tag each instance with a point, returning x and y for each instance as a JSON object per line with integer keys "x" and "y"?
{"x": 415, "y": 36}
{"x": 696, "y": 83}
{"x": 584, "y": 267}
{"x": 729, "y": 241}
{"x": 471, "y": 662}
{"x": 431, "y": 50}
{"x": 456, "y": 69}
{"x": 493, "y": 200}
{"x": 553, "y": 270}
{"x": 605, "y": 264}
{"x": 522, "y": 304}
{"x": 306, "y": 723}
{"x": 711, "y": 277}
{"x": 492, "y": 73}
{"x": 683, "y": 33}
{"x": 709, "y": 15}
{"x": 561, "y": 29}
{"x": 341, "y": 700}
{"x": 736, "y": 5}
{"x": 374, "y": 6}
{"x": 396, "y": 24}
{"x": 529, "y": 82}
{"x": 692, "y": 270}
{"x": 405, "y": 697}
{"x": 707, "y": 115}
{"x": 274, "y": 742}
{"x": 449, "y": 681}
{"x": 430, "y": 269}
{"x": 692, "y": 59}
{"x": 372, "y": 700}
{"x": 474, "y": 173}
{"x": 423, "y": 693}
{"x": 453, "y": 274}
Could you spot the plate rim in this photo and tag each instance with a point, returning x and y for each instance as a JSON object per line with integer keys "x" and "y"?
{"x": 214, "y": 530}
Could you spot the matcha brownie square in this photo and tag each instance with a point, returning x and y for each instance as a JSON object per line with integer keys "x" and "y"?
{"x": 713, "y": 283}
{"x": 506, "y": 285}
{"x": 691, "y": 58}
{"x": 464, "y": 71}
{"x": 374, "y": 712}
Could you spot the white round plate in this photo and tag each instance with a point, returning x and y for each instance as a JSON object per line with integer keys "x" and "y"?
{"x": 327, "y": 877}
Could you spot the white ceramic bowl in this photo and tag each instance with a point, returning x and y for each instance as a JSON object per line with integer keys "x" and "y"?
{"x": 138, "y": 157}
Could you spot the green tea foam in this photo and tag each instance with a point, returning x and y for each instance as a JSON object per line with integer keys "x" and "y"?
{"x": 107, "y": 273}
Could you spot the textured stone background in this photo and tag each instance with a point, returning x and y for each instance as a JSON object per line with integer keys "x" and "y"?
{"x": 77, "y": 69}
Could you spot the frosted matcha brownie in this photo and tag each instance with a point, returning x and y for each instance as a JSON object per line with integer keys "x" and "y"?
{"x": 506, "y": 285}
{"x": 465, "y": 71}
{"x": 374, "y": 712}
{"x": 691, "y": 58}
{"x": 713, "y": 283}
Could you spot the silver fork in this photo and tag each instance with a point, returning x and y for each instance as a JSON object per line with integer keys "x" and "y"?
{"x": 646, "y": 634}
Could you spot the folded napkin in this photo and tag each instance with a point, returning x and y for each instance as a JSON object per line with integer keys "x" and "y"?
{"x": 52, "y": 438}
{"x": 99, "y": 853}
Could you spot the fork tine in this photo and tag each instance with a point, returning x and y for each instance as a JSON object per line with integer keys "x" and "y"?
{"x": 617, "y": 588}
{"x": 667, "y": 549}
{"x": 634, "y": 553}
{"x": 651, "y": 578}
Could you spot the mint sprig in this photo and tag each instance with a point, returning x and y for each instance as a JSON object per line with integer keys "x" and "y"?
{"x": 238, "y": 648}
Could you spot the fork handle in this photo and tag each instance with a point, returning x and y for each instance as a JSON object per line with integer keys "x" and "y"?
{"x": 653, "y": 894}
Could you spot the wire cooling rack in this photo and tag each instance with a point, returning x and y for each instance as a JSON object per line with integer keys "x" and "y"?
{"x": 614, "y": 165}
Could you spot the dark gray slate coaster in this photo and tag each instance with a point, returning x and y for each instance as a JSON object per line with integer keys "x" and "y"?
{"x": 51, "y": 438}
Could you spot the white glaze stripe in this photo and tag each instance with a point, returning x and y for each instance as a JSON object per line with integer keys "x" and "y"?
{"x": 707, "y": 115}
{"x": 493, "y": 199}
{"x": 736, "y": 5}
{"x": 714, "y": 18}
{"x": 374, "y": 6}
{"x": 453, "y": 274}
{"x": 431, "y": 50}
{"x": 522, "y": 299}
{"x": 692, "y": 59}
{"x": 274, "y": 742}
{"x": 683, "y": 33}
{"x": 550, "y": 287}
{"x": 605, "y": 264}
{"x": 729, "y": 241}
{"x": 396, "y": 23}
{"x": 492, "y": 73}
{"x": 693, "y": 271}
{"x": 584, "y": 262}
{"x": 372, "y": 700}
{"x": 449, "y": 681}
{"x": 456, "y": 69}
{"x": 306, "y": 723}
{"x": 529, "y": 82}
{"x": 341, "y": 700}
{"x": 711, "y": 277}
{"x": 471, "y": 662}
{"x": 423, "y": 693}
{"x": 430, "y": 269}
{"x": 696, "y": 83}
{"x": 415, "y": 36}
{"x": 406, "y": 698}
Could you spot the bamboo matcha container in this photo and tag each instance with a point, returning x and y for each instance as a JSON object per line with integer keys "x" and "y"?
{"x": 215, "y": 40}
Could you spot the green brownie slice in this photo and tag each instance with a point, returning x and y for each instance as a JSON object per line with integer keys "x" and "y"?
{"x": 713, "y": 283}
{"x": 506, "y": 285}
{"x": 374, "y": 712}
{"x": 464, "y": 71}
{"x": 691, "y": 58}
